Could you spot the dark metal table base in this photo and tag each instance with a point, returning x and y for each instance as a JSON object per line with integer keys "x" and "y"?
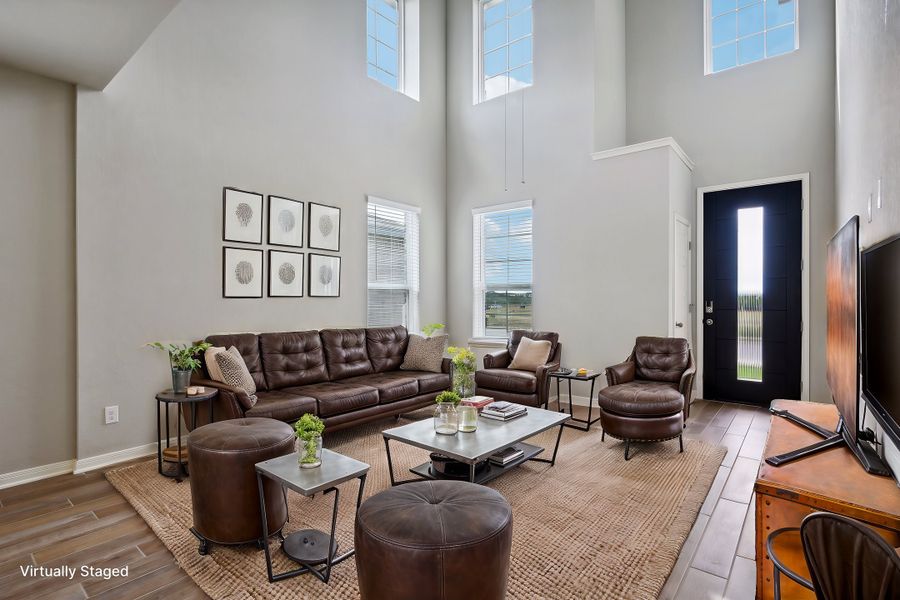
{"x": 586, "y": 422}
{"x": 425, "y": 472}
{"x": 180, "y": 466}
{"x": 299, "y": 545}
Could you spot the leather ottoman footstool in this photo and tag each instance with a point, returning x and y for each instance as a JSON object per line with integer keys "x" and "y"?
{"x": 441, "y": 540}
{"x": 224, "y": 492}
{"x": 642, "y": 412}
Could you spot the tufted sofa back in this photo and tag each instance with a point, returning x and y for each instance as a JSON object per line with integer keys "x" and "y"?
{"x": 386, "y": 347}
{"x": 293, "y": 358}
{"x": 345, "y": 352}
{"x": 248, "y": 345}
{"x": 661, "y": 359}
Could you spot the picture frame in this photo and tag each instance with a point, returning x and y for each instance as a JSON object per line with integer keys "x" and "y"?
{"x": 286, "y": 270}
{"x": 286, "y": 225}
{"x": 242, "y": 216}
{"x": 324, "y": 227}
{"x": 242, "y": 273}
{"x": 324, "y": 276}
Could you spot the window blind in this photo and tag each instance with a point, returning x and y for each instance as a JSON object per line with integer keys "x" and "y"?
{"x": 502, "y": 269}
{"x": 393, "y": 265}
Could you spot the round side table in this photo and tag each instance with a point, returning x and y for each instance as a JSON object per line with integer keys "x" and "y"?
{"x": 168, "y": 398}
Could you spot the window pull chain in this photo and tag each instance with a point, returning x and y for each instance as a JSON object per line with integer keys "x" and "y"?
{"x": 505, "y": 144}
{"x": 523, "y": 135}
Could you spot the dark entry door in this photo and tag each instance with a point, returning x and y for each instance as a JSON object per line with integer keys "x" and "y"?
{"x": 752, "y": 309}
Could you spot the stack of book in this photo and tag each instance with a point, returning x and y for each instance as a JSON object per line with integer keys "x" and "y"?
{"x": 478, "y": 402}
{"x": 506, "y": 456}
{"x": 503, "y": 411}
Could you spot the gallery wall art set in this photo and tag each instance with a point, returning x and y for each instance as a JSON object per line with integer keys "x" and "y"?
{"x": 288, "y": 222}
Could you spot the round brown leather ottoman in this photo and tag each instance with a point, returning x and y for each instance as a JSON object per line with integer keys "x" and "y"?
{"x": 224, "y": 493}
{"x": 442, "y": 540}
{"x": 642, "y": 411}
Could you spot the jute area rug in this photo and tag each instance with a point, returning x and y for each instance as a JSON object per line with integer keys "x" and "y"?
{"x": 593, "y": 526}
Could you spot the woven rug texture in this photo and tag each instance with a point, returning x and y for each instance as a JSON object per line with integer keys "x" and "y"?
{"x": 592, "y": 526}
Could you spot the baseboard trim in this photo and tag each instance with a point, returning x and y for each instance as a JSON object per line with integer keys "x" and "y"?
{"x": 15, "y": 478}
{"x": 92, "y": 463}
{"x": 576, "y": 400}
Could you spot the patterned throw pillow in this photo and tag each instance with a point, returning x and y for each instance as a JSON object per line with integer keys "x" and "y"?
{"x": 424, "y": 354}
{"x": 212, "y": 367}
{"x": 235, "y": 373}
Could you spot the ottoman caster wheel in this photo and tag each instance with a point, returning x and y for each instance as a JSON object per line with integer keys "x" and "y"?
{"x": 203, "y": 549}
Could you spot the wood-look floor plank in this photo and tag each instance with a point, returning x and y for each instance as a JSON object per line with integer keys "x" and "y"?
{"x": 698, "y": 585}
{"x": 733, "y": 443}
{"x": 747, "y": 542}
{"x": 717, "y": 548}
{"x": 59, "y": 538}
{"x": 739, "y": 486}
{"x": 80, "y": 542}
{"x": 741, "y": 421}
{"x": 715, "y": 490}
{"x": 22, "y": 512}
{"x": 59, "y": 518}
{"x": 670, "y": 589}
{"x": 137, "y": 567}
{"x": 725, "y": 415}
{"x": 754, "y": 444}
{"x": 742, "y": 582}
{"x": 137, "y": 587}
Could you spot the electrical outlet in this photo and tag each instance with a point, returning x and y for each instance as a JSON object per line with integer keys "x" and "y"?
{"x": 112, "y": 414}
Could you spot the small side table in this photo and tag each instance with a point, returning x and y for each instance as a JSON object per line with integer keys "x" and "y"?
{"x": 168, "y": 398}
{"x": 315, "y": 551}
{"x": 589, "y": 376}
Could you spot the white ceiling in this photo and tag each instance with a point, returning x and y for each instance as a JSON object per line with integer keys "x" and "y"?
{"x": 79, "y": 41}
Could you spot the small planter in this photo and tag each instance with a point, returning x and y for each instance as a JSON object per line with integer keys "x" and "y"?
{"x": 468, "y": 418}
{"x": 446, "y": 419}
{"x": 180, "y": 380}
{"x": 464, "y": 383}
{"x": 309, "y": 452}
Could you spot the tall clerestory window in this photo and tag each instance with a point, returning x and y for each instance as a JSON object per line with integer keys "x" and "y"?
{"x": 505, "y": 47}
{"x": 392, "y": 44}
{"x": 739, "y": 32}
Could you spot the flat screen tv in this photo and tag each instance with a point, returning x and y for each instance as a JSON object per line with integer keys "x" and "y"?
{"x": 842, "y": 347}
{"x": 881, "y": 333}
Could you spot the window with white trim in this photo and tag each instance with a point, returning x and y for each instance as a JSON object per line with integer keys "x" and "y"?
{"x": 392, "y": 44}
{"x": 393, "y": 264}
{"x": 504, "y": 31}
{"x": 739, "y": 32}
{"x": 502, "y": 270}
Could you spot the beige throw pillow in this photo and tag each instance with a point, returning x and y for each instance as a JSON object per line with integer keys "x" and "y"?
{"x": 424, "y": 354}
{"x": 235, "y": 373}
{"x": 531, "y": 354}
{"x": 212, "y": 367}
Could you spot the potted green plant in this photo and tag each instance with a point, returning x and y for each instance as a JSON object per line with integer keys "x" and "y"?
{"x": 183, "y": 361}
{"x": 308, "y": 430}
{"x": 429, "y": 329}
{"x": 463, "y": 361}
{"x": 446, "y": 418}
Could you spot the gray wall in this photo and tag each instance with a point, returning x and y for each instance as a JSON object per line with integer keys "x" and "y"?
{"x": 868, "y": 127}
{"x": 37, "y": 244}
{"x": 267, "y": 96}
{"x": 771, "y": 118}
{"x": 600, "y": 227}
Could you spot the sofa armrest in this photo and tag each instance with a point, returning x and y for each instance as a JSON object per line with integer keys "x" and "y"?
{"x": 497, "y": 360}
{"x": 446, "y": 365}
{"x": 228, "y": 404}
{"x": 620, "y": 373}
{"x": 686, "y": 385}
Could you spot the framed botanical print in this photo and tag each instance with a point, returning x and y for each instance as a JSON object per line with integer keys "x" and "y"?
{"x": 324, "y": 227}
{"x": 285, "y": 274}
{"x": 324, "y": 276}
{"x": 285, "y": 222}
{"x": 242, "y": 216}
{"x": 242, "y": 273}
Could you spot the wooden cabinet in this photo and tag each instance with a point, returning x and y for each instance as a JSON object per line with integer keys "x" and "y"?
{"x": 831, "y": 481}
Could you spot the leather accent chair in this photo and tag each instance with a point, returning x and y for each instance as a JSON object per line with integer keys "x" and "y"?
{"x": 648, "y": 397}
{"x": 522, "y": 387}
{"x": 222, "y": 458}
{"x": 845, "y": 558}
{"x": 434, "y": 540}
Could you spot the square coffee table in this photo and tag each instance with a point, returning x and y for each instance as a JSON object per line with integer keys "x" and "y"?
{"x": 315, "y": 550}
{"x": 472, "y": 448}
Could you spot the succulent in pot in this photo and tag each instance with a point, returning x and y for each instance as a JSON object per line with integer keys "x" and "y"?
{"x": 183, "y": 359}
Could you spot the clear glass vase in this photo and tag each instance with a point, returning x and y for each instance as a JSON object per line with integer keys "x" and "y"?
{"x": 446, "y": 419}
{"x": 309, "y": 452}
{"x": 468, "y": 418}
{"x": 464, "y": 383}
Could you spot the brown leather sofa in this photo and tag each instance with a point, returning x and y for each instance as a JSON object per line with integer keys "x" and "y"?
{"x": 344, "y": 376}
{"x": 521, "y": 387}
{"x": 649, "y": 395}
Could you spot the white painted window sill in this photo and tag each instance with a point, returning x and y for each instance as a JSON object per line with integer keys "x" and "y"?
{"x": 487, "y": 343}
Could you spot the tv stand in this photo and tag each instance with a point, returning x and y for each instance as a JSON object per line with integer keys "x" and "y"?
{"x": 864, "y": 453}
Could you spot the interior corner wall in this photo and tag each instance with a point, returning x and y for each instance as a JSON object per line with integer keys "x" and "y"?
{"x": 600, "y": 241}
{"x": 37, "y": 246}
{"x": 771, "y": 118}
{"x": 868, "y": 128}
{"x": 270, "y": 96}
{"x": 609, "y": 74}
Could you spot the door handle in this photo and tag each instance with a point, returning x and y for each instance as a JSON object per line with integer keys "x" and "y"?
{"x": 679, "y": 324}
{"x": 709, "y": 321}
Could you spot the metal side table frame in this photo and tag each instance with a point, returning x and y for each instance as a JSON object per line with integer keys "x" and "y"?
{"x": 590, "y": 376}
{"x": 302, "y": 546}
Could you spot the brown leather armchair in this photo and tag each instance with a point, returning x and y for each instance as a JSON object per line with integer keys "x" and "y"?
{"x": 522, "y": 387}
{"x": 648, "y": 398}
